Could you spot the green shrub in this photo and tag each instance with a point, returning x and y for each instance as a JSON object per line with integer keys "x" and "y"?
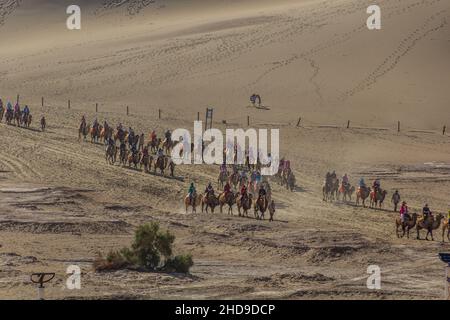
{"x": 114, "y": 261}
{"x": 181, "y": 264}
{"x": 150, "y": 250}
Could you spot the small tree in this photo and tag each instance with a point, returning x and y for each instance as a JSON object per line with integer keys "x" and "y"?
{"x": 151, "y": 250}
{"x": 150, "y": 244}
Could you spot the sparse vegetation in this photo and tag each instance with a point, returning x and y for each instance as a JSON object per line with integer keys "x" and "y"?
{"x": 151, "y": 250}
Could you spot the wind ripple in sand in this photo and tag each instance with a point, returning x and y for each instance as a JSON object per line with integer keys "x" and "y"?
{"x": 6, "y": 8}
{"x": 133, "y": 6}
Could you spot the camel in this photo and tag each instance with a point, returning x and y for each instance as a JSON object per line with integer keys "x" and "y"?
{"x": 445, "y": 227}
{"x": 209, "y": 200}
{"x": 347, "y": 191}
{"x": 197, "y": 199}
{"x": 17, "y": 118}
{"x": 95, "y": 133}
{"x": 83, "y": 130}
{"x": 146, "y": 161}
{"x": 121, "y": 136}
{"x": 245, "y": 204}
{"x": 26, "y": 120}
{"x": 104, "y": 133}
{"x": 407, "y": 225}
{"x": 234, "y": 179}
{"x": 133, "y": 159}
{"x": 429, "y": 224}
{"x": 290, "y": 181}
{"x": 9, "y": 117}
{"x": 260, "y": 205}
{"x": 111, "y": 153}
{"x": 229, "y": 199}
{"x": 242, "y": 180}
{"x": 362, "y": 194}
{"x": 330, "y": 190}
{"x": 223, "y": 176}
{"x": 123, "y": 156}
{"x": 377, "y": 198}
{"x": 168, "y": 145}
{"x": 154, "y": 145}
{"x": 161, "y": 164}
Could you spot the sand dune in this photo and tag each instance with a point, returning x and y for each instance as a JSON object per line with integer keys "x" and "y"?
{"x": 312, "y": 59}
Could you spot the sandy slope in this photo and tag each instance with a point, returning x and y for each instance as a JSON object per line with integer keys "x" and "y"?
{"x": 61, "y": 203}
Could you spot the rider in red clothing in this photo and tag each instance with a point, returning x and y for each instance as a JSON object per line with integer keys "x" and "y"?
{"x": 227, "y": 189}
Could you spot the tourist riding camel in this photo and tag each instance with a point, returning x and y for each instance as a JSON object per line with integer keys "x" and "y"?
{"x": 209, "y": 189}
{"x": 376, "y": 185}
{"x": 404, "y": 213}
{"x": 244, "y": 194}
{"x": 345, "y": 183}
{"x": 191, "y": 192}
{"x": 426, "y": 212}
{"x": 227, "y": 189}
{"x": 262, "y": 192}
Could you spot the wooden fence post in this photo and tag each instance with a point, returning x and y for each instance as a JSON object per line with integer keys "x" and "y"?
{"x": 398, "y": 127}
{"x": 198, "y": 116}
{"x": 18, "y": 98}
{"x": 248, "y": 121}
{"x": 68, "y": 104}
{"x": 42, "y": 101}
{"x": 159, "y": 114}
{"x": 348, "y": 124}
{"x": 298, "y": 122}
{"x": 128, "y": 111}
{"x": 443, "y": 130}
{"x": 96, "y": 107}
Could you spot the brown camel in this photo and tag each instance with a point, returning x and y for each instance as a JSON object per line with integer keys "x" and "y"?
{"x": 209, "y": 201}
{"x": 445, "y": 227}
{"x": 347, "y": 191}
{"x": 223, "y": 177}
{"x": 133, "y": 159}
{"x": 146, "y": 161}
{"x": 260, "y": 205}
{"x": 234, "y": 179}
{"x": 377, "y": 198}
{"x": 407, "y": 225}
{"x": 362, "y": 194}
{"x": 196, "y": 200}
{"x": 161, "y": 164}
{"x": 244, "y": 203}
{"x": 228, "y": 199}
{"x": 429, "y": 224}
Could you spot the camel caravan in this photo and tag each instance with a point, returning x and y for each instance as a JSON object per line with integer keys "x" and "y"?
{"x": 253, "y": 193}
{"x": 128, "y": 149}
{"x": 16, "y": 116}
{"x": 243, "y": 186}
{"x": 333, "y": 190}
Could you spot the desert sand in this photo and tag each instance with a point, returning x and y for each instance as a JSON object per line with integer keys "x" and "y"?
{"x": 61, "y": 203}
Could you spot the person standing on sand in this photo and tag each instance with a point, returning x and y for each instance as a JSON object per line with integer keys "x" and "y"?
{"x": 395, "y": 199}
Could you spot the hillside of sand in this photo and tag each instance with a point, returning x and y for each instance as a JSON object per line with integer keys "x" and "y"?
{"x": 62, "y": 204}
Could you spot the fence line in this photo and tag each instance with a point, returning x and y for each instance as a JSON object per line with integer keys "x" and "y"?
{"x": 252, "y": 120}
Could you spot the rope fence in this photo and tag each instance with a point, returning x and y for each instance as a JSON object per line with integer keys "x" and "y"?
{"x": 243, "y": 120}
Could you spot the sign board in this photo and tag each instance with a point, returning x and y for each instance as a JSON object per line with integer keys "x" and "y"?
{"x": 209, "y": 116}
